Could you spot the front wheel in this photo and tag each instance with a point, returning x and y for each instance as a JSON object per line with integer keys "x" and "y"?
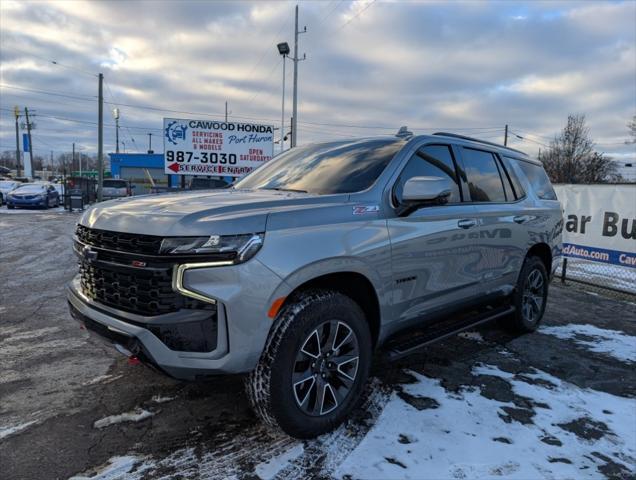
{"x": 314, "y": 366}
{"x": 531, "y": 295}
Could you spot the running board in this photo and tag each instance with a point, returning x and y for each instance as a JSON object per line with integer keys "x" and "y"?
{"x": 396, "y": 349}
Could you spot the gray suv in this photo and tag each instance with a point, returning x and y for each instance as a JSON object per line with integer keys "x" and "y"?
{"x": 302, "y": 269}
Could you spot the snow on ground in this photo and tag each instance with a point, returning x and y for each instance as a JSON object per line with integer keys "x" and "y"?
{"x": 269, "y": 469}
{"x": 6, "y": 431}
{"x": 160, "y": 399}
{"x": 26, "y": 211}
{"x": 609, "y": 342}
{"x": 136, "y": 415}
{"x": 113, "y": 469}
{"x": 467, "y": 435}
{"x": 103, "y": 379}
{"x": 603, "y": 274}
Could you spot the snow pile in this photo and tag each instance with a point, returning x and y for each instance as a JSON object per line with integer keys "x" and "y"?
{"x": 136, "y": 415}
{"x": 466, "y": 435}
{"x": 610, "y": 342}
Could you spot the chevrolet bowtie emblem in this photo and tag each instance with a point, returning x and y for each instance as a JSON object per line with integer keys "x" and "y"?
{"x": 88, "y": 254}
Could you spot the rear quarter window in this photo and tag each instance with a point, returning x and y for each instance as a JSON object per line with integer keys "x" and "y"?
{"x": 539, "y": 180}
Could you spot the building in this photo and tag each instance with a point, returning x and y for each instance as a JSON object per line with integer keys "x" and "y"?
{"x": 139, "y": 168}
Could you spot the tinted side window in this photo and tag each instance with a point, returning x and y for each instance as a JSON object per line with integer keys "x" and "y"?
{"x": 430, "y": 161}
{"x": 484, "y": 181}
{"x": 539, "y": 180}
{"x": 516, "y": 184}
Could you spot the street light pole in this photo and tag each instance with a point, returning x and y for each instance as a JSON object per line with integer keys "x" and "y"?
{"x": 283, "y": 49}
{"x": 282, "y": 114}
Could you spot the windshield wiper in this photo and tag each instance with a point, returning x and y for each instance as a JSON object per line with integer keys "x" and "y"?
{"x": 281, "y": 189}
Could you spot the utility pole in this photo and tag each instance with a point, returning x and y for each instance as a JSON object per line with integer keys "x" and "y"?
{"x": 150, "y": 143}
{"x": 226, "y": 112}
{"x": 73, "y": 160}
{"x": 506, "y": 137}
{"x": 116, "y": 115}
{"x": 28, "y": 125}
{"x": 100, "y": 139}
{"x": 51, "y": 162}
{"x": 296, "y": 60}
{"x": 16, "y": 111}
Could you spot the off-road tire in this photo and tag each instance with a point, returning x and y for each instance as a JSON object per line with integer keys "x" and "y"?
{"x": 269, "y": 385}
{"x": 518, "y": 321}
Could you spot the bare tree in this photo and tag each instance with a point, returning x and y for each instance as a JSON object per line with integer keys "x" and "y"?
{"x": 632, "y": 131}
{"x": 571, "y": 157}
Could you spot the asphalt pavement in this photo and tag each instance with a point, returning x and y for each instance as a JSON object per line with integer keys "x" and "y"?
{"x": 71, "y": 406}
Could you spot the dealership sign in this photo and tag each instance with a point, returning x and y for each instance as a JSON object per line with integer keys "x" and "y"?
{"x": 600, "y": 222}
{"x": 210, "y": 147}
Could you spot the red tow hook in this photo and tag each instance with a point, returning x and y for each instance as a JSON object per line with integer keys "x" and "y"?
{"x": 133, "y": 360}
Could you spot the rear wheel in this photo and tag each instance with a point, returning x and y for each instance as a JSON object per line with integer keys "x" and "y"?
{"x": 314, "y": 366}
{"x": 10, "y": 207}
{"x": 530, "y": 296}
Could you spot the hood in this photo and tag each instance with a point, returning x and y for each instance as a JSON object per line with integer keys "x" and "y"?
{"x": 221, "y": 212}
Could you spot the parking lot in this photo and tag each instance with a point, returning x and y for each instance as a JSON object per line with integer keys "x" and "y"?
{"x": 560, "y": 403}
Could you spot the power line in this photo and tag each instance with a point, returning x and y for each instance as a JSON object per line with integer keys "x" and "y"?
{"x": 357, "y": 14}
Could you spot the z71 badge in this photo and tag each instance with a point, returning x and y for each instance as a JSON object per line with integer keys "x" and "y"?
{"x": 362, "y": 209}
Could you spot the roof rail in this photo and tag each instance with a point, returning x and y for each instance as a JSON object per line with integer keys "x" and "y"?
{"x": 463, "y": 137}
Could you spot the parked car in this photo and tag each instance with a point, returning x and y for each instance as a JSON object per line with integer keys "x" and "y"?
{"x": 114, "y": 188}
{"x": 321, "y": 256}
{"x": 199, "y": 183}
{"x": 41, "y": 194}
{"x": 5, "y": 187}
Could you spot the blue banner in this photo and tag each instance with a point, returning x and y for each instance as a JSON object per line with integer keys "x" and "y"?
{"x": 25, "y": 143}
{"x": 595, "y": 254}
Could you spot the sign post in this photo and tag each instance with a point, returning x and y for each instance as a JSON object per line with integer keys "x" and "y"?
{"x": 210, "y": 147}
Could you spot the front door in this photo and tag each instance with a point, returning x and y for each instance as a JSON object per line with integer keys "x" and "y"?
{"x": 434, "y": 248}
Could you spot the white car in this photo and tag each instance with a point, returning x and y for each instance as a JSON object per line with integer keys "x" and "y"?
{"x": 5, "y": 187}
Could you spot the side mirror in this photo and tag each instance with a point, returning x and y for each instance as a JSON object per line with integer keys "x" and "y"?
{"x": 421, "y": 191}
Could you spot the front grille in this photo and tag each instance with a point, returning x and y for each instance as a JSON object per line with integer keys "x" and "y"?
{"x": 141, "y": 291}
{"x": 123, "y": 242}
{"x": 112, "y": 280}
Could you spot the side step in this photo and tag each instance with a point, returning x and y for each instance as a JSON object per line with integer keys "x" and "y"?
{"x": 408, "y": 343}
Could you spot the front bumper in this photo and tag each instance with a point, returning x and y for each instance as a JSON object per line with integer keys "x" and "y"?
{"x": 242, "y": 293}
{"x": 20, "y": 202}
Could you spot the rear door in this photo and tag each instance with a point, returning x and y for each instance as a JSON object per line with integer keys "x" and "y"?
{"x": 501, "y": 233}
{"x": 432, "y": 248}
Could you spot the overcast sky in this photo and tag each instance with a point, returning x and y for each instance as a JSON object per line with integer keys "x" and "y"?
{"x": 468, "y": 67}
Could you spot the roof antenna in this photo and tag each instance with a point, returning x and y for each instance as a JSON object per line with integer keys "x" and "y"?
{"x": 404, "y": 132}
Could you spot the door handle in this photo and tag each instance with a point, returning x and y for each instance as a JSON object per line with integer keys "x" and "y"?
{"x": 520, "y": 219}
{"x": 467, "y": 223}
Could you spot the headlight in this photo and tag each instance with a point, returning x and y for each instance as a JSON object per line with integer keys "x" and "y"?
{"x": 239, "y": 248}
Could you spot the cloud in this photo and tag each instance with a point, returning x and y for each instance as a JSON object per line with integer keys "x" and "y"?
{"x": 429, "y": 65}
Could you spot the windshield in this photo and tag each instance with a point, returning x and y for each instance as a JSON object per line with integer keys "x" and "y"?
{"x": 30, "y": 189}
{"x": 325, "y": 168}
{"x": 115, "y": 183}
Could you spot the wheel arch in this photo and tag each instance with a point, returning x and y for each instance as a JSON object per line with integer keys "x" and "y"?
{"x": 356, "y": 286}
{"x": 543, "y": 251}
